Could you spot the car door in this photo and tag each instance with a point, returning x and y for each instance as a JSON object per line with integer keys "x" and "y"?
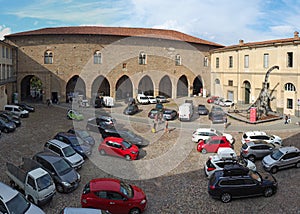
{"x": 117, "y": 203}
{"x": 213, "y": 146}
{"x": 251, "y": 187}
{"x": 100, "y": 201}
{"x": 288, "y": 160}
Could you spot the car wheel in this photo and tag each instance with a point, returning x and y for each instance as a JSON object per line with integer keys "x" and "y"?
{"x": 274, "y": 169}
{"x": 127, "y": 157}
{"x": 59, "y": 188}
{"x": 102, "y": 152}
{"x": 203, "y": 151}
{"x": 225, "y": 197}
{"x": 5, "y": 130}
{"x": 268, "y": 192}
{"x": 298, "y": 165}
{"x": 135, "y": 211}
{"x": 252, "y": 158}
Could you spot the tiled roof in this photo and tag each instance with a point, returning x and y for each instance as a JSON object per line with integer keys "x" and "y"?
{"x": 117, "y": 31}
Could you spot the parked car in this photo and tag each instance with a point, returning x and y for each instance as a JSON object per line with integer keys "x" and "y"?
{"x": 74, "y": 115}
{"x": 281, "y": 158}
{"x": 205, "y": 133}
{"x": 66, "y": 151}
{"x": 13, "y": 202}
{"x": 6, "y": 125}
{"x": 80, "y": 146}
{"x": 224, "y": 157}
{"x": 226, "y": 103}
{"x": 17, "y": 110}
{"x": 26, "y": 107}
{"x": 152, "y": 99}
{"x": 215, "y": 108}
{"x": 202, "y": 110}
{"x": 126, "y": 134}
{"x": 131, "y": 109}
{"x": 116, "y": 146}
{"x": 100, "y": 193}
{"x": 65, "y": 177}
{"x": 212, "y": 99}
{"x": 218, "y": 100}
{"x": 142, "y": 99}
{"x": 11, "y": 117}
{"x": 96, "y": 124}
{"x": 259, "y": 135}
{"x": 217, "y": 117}
{"x": 73, "y": 210}
{"x": 257, "y": 149}
{"x": 84, "y": 135}
{"x": 212, "y": 144}
{"x": 161, "y": 99}
{"x": 166, "y": 114}
{"x": 228, "y": 183}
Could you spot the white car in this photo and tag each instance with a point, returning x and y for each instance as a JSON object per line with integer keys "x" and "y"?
{"x": 152, "y": 99}
{"x": 260, "y": 135}
{"x": 161, "y": 99}
{"x": 142, "y": 99}
{"x": 225, "y": 156}
{"x": 226, "y": 103}
{"x": 205, "y": 133}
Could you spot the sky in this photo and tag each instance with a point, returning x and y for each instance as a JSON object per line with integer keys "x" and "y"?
{"x": 222, "y": 21}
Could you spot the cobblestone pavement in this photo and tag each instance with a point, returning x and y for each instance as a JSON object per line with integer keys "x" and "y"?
{"x": 180, "y": 188}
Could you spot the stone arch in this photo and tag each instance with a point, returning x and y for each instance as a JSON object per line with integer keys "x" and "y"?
{"x": 75, "y": 85}
{"x": 182, "y": 87}
{"x": 146, "y": 86}
{"x": 247, "y": 91}
{"x": 197, "y": 85}
{"x": 31, "y": 88}
{"x": 124, "y": 88}
{"x": 100, "y": 86}
{"x": 165, "y": 86}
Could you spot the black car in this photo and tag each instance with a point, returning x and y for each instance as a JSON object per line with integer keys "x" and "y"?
{"x": 11, "y": 117}
{"x": 131, "y": 109}
{"x": 65, "y": 177}
{"x": 217, "y": 117}
{"x": 96, "y": 124}
{"x": 83, "y": 134}
{"x": 6, "y": 125}
{"x": 80, "y": 146}
{"x": 126, "y": 134}
{"x": 234, "y": 182}
{"x": 26, "y": 107}
{"x": 167, "y": 114}
{"x": 202, "y": 110}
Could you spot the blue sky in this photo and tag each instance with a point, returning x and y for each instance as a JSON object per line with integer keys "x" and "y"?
{"x": 220, "y": 21}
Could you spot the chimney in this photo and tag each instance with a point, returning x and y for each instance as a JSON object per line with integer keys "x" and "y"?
{"x": 296, "y": 35}
{"x": 241, "y": 42}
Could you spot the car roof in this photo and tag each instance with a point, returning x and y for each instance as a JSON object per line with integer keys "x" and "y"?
{"x": 206, "y": 130}
{"x": 218, "y": 138}
{"x": 73, "y": 210}
{"x": 67, "y": 134}
{"x": 256, "y": 142}
{"x": 252, "y": 133}
{"x": 105, "y": 184}
{"x": 49, "y": 156}
{"x": 58, "y": 143}
{"x": 288, "y": 149}
{"x": 6, "y": 192}
{"x": 114, "y": 139}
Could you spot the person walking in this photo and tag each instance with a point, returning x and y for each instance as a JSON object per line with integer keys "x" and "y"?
{"x": 225, "y": 122}
{"x": 286, "y": 119}
{"x": 166, "y": 127}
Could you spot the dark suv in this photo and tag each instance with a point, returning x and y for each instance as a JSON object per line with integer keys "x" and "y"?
{"x": 234, "y": 182}
{"x": 257, "y": 149}
{"x": 65, "y": 177}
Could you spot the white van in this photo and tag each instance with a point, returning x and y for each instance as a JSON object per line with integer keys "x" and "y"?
{"x": 17, "y": 110}
{"x": 185, "y": 112}
{"x": 142, "y": 99}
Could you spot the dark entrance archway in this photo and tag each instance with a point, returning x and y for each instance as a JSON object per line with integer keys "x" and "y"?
{"x": 124, "y": 88}
{"x": 247, "y": 92}
{"x": 31, "y": 88}
{"x": 75, "y": 86}
{"x": 165, "y": 87}
{"x": 182, "y": 87}
{"x": 101, "y": 87}
{"x": 146, "y": 86}
{"x": 197, "y": 85}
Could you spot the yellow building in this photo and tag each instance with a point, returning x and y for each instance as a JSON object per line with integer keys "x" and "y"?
{"x": 238, "y": 71}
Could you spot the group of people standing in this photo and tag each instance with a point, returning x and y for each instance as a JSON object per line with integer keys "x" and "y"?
{"x": 287, "y": 119}
{"x": 159, "y": 120}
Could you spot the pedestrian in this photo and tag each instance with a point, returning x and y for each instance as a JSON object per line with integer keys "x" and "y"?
{"x": 289, "y": 120}
{"x": 48, "y": 102}
{"x": 286, "y": 119}
{"x": 225, "y": 122}
{"x": 154, "y": 127}
{"x": 167, "y": 126}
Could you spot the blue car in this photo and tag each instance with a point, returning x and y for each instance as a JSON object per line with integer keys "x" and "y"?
{"x": 84, "y": 135}
{"x": 81, "y": 147}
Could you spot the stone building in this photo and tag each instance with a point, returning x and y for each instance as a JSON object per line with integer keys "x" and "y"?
{"x": 238, "y": 71}
{"x": 112, "y": 61}
{"x": 8, "y": 76}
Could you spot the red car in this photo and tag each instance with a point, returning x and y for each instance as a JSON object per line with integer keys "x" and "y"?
{"x": 117, "y": 146}
{"x": 212, "y": 99}
{"x": 113, "y": 195}
{"x": 212, "y": 144}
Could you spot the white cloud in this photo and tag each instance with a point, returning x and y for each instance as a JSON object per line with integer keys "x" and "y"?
{"x": 4, "y": 31}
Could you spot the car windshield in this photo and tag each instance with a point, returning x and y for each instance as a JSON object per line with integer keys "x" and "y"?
{"x": 276, "y": 154}
{"x": 126, "y": 144}
{"x": 62, "y": 167}
{"x": 18, "y": 204}
{"x": 44, "y": 182}
{"x": 130, "y": 133}
{"x": 126, "y": 189}
{"x": 69, "y": 151}
{"x": 83, "y": 134}
{"x": 76, "y": 141}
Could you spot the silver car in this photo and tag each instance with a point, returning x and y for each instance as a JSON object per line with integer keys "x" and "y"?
{"x": 282, "y": 158}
